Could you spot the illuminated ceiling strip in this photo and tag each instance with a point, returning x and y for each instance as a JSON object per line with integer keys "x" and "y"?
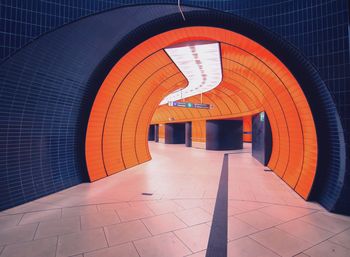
{"x": 200, "y": 63}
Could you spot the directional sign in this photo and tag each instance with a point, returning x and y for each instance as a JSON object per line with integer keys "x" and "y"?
{"x": 190, "y": 105}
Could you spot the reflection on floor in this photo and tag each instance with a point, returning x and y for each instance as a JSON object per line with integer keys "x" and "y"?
{"x": 112, "y": 217}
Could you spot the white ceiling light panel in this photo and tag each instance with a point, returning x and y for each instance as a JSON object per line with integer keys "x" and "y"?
{"x": 200, "y": 63}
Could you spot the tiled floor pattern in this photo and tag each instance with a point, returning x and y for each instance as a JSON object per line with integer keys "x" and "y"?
{"x": 111, "y": 217}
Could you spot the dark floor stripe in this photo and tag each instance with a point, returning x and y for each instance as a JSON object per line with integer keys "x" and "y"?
{"x": 217, "y": 244}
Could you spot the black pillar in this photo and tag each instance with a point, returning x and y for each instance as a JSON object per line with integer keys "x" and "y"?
{"x": 188, "y": 134}
{"x": 224, "y": 134}
{"x": 151, "y": 133}
{"x": 175, "y": 133}
{"x": 156, "y": 132}
{"x": 261, "y": 138}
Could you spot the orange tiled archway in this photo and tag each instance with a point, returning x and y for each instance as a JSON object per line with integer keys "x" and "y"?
{"x": 253, "y": 80}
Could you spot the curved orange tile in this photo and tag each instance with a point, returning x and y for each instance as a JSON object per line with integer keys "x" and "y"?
{"x": 253, "y": 80}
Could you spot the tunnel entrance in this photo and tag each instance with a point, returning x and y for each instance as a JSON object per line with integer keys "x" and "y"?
{"x": 254, "y": 79}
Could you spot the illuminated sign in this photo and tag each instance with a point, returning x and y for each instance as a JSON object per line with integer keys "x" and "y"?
{"x": 190, "y": 105}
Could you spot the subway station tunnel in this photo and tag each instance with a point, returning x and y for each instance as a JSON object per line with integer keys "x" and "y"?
{"x": 191, "y": 128}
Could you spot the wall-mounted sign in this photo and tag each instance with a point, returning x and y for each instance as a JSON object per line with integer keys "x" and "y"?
{"x": 190, "y": 105}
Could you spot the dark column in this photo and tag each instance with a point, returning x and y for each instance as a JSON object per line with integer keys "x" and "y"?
{"x": 156, "y": 133}
{"x": 224, "y": 134}
{"x": 151, "y": 133}
{"x": 188, "y": 134}
{"x": 175, "y": 133}
{"x": 261, "y": 138}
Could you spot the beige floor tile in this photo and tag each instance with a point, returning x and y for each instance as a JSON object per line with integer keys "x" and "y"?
{"x": 141, "y": 204}
{"x": 163, "y": 223}
{"x": 301, "y": 255}
{"x": 37, "y": 248}
{"x": 338, "y": 216}
{"x": 258, "y": 219}
{"x": 234, "y": 209}
{"x": 99, "y": 219}
{"x": 17, "y": 234}
{"x": 30, "y": 207}
{"x": 328, "y": 249}
{"x": 342, "y": 239}
{"x": 250, "y": 205}
{"x": 286, "y": 213}
{"x": 238, "y": 228}
{"x": 79, "y": 210}
{"x": 163, "y": 207}
{"x": 126, "y": 232}
{"x": 194, "y": 216}
{"x": 199, "y": 254}
{"x": 195, "y": 237}
{"x": 81, "y": 242}
{"x": 133, "y": 213}
{"x": 112, "y": 206}
{"x": 124, "y": 250}
{"x": 305, "y": 231}
{"x": 34, "y": 217}
{"x": 247, "y": 184}
{"x": 58, "y": 227}
{"x": 10, "y": 221}
{"x": 280, "y": 242}
{"x": 330, "y": 223}
{"x": 189, "y": 203}
{"x": 247, "y": 247}
{"x": 162, "y": 245}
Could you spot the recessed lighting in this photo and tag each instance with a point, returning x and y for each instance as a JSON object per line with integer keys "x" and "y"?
{"x": 200, "y": 63}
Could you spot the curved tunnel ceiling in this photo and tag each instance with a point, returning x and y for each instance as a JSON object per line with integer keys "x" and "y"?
{"x": 200, "y": 63}
{"x": 253, "y": 79}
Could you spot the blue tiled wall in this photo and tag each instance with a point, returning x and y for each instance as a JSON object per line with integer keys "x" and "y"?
{"x": 318, "y": 28}
{"x": 46, "y": 94}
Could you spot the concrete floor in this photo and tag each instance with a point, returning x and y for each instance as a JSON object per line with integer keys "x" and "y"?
{"x": 111, "y": 217}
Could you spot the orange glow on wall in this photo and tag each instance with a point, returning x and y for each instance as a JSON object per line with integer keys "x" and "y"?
{"x": 199, "y": 131}
{"x": 253, "y": 80}
{"x": 161, "y": 131}
{"x": 247, "y": 129}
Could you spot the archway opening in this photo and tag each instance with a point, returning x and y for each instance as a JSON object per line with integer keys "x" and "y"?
{"x": 253, "y": 80}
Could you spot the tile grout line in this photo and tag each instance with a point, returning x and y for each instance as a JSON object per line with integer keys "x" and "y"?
{"x": 264, "y": 246}
{"x": 133, "y": 243}
{"x": 56, "y": 249}
{"x": 104, "y": 232}
{"x": 327, "y": 240}
{"x": 20, "y": 219}
{"x": 188, "y": 248}
{"x": 36, "y": 230}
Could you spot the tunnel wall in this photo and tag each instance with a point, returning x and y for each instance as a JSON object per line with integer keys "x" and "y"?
{"x": 52, "y": 143}
{"x": 224, "y": 134}
{"x": 247, "y": 129}
{"x": 47, "y": 90}
{"x": 198, "y": 134}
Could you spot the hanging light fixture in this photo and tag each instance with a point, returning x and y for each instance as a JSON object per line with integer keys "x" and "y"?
{"x": 200, "y": 63}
